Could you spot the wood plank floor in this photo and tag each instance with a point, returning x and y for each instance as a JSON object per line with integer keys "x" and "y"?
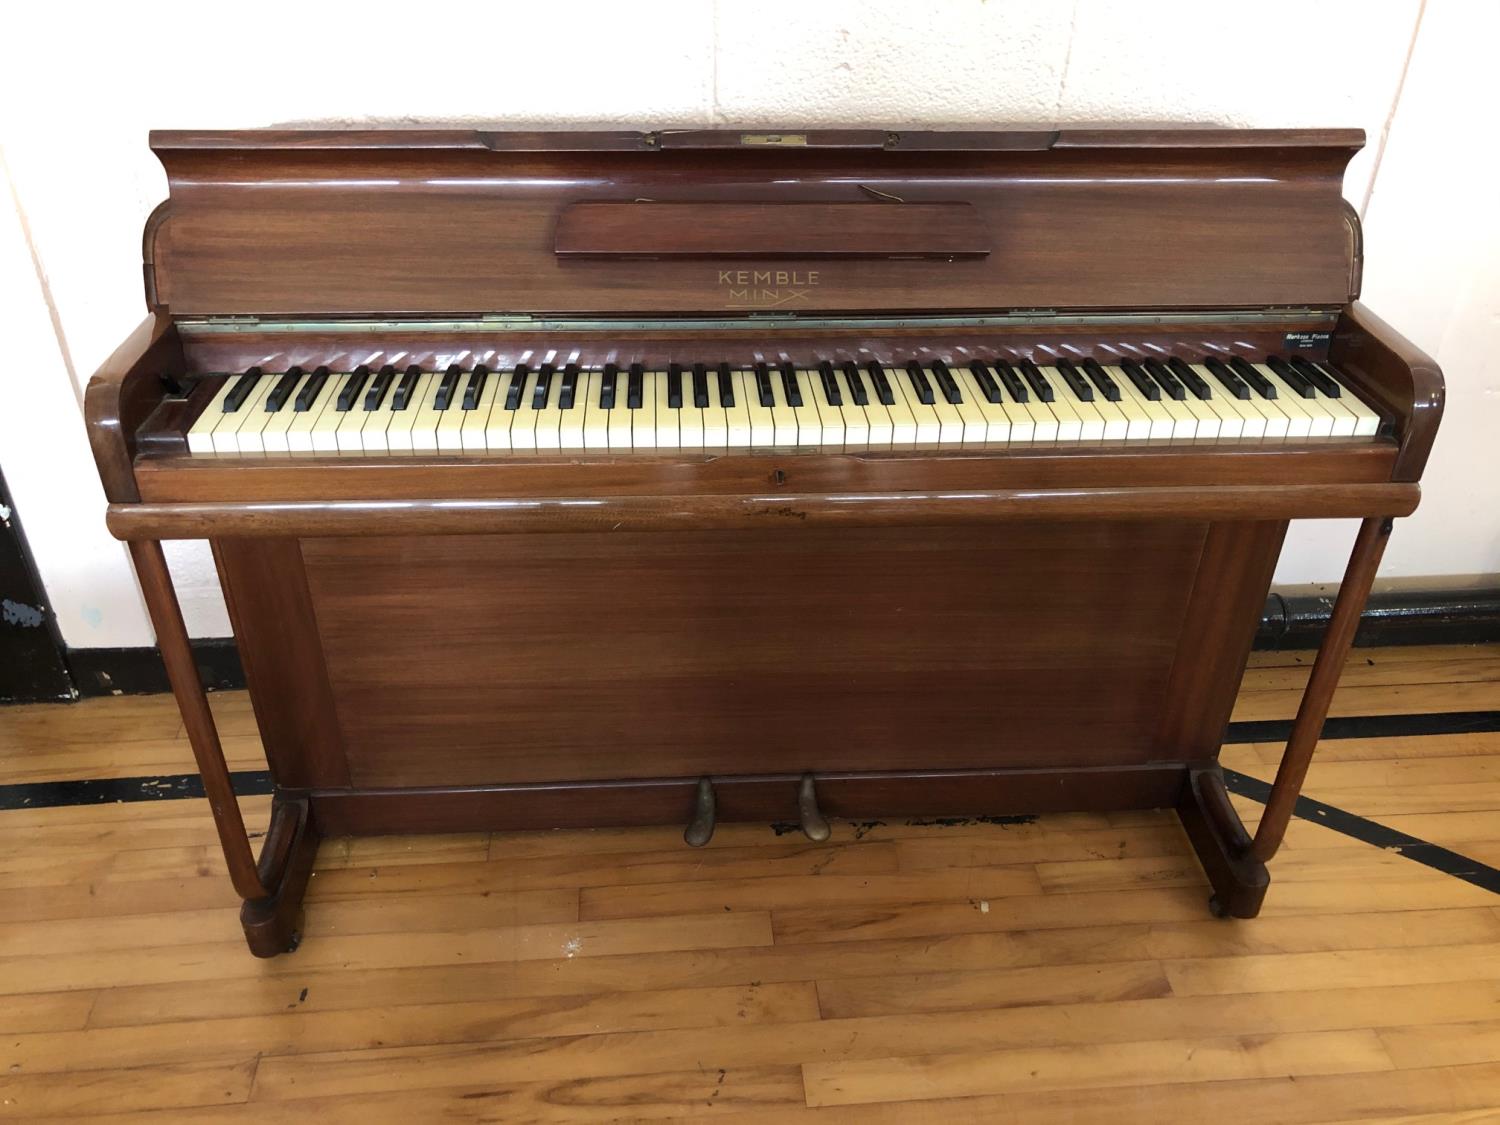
{"x": 1060, "y": 970}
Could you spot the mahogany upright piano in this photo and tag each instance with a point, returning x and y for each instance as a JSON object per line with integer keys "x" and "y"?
{"x": 567, "y": 479}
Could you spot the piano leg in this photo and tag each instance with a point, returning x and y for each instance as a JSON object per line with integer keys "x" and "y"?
{"x": 1359, "y": 576}
{"x": 273, "y": 886}
{"x": 1236, "y": 864}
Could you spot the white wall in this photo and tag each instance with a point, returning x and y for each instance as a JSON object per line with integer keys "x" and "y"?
{"x": 85, "y": 83}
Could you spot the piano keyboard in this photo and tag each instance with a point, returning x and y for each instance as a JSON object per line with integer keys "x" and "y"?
{"x": 830, "y": 406}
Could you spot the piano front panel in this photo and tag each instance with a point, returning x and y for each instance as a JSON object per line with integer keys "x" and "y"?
{"x": 487, "y": 660}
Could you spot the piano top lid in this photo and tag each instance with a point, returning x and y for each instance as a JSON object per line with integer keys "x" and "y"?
{"x": 401, "y": 223}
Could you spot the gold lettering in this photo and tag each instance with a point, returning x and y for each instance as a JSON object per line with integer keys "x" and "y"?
{"x": 812, "y": 277}
{"x": 739, "y": 294}
{"x": 724, "y": 276}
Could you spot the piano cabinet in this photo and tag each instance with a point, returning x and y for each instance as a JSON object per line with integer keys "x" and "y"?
{"x": 456, "y": 642}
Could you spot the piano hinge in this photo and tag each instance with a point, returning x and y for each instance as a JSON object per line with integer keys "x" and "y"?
{"x": 230, "y": 320}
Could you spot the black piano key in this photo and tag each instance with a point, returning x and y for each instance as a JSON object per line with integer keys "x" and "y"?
{"x": 406, "y": 388}
{"x": 516, "y": 388}
{"x": 635, "y": 387}
{"x": 607, "y": 380}
{"x": 446, "y": 386}
{"x": 543, "y": 390}
{"x": 1077, "y": 382}
{"x": 726, "y": 386}
{"x": 1258, "y": 382}
{"x": 1291, "y": 377}
{"x": 831, "y": 393}
{"x": 1232, "y": 382}
{"x": 377, "y": 392}
{"x": 919, "y": 384}
{"x": 1037, "y": 380}
{"x": 883, "y": 389}
{"x": 1316, "y": 376}
{"x": 567, "y": 394}
{"x": 1143, "y": 382}
{"x": 700, "y": 386}
{"x": 475, "y": 386}
{"x": 1168, "y": 382}
{"x": 791, "y": 387}
{"x": 1190, "y": 378}
{"x": 856, "y": 383}
{"x": 674, "y": 386}
{"x": 763, "y": 385}
{"x": 1102, "y": 379}
{"x": 1007, "y": 375}
{"x": 236, "y": 398}
{"x": 946, "y": 382}
{"x": 283, "y": 389}
{"x": 349, "y": 392}
{"x": 311, "y": 390}
{"x": 986, "y": 381}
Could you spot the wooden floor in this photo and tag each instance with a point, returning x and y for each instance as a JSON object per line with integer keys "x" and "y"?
{"x": 1062, "y": 970}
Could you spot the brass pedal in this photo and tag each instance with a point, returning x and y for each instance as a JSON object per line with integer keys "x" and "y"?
{"x": 814, "y": 824}
{"x": 700, "y": 829}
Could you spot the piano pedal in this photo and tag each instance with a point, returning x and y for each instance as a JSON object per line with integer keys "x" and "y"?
{"x": 814, "y": 824}
{"x": 700, "y": 829}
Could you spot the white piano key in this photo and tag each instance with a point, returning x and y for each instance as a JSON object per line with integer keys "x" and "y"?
{"x": 398, "y": 433}
{"x": 450, "y": 423}
{"x": 762, "y": 418}
{"x": 997, "y": 424}
{"x": 254, "y": 417}
{"x": 643, "y": 429}
{"x": 783, "y": 414}
{"x": 809, "y": 421}
{"x": 1069, "y": 422}
{"x": 689, "y": 416}
{"x": 596, "y": 419}
{"x": 547, "y": 427}
{"x": 523, "y": 418}
{"x": 905, "y": 429}
{"x": 572, "y": 423}
{"x": 737, "y": 417}
{"x": 349, "y": 437}
{"x": 323, "y": 433}
{"x": 715, "y": 417}
{"x": 880, "y": 429}
{"x": 1319, "y": 421}
{"x": 668, "y": 425}
{"x": 617, "y": 421}
{"x": 372, "y": 435}
{"x": 424, "y": 429}
{"x": 1344, "y": 419}
{"x": 200, "y": 435}
{"x": 273, "y": 436}
{"x": 498, "y": 426}
{"x": 830, "y": 417}
{"x": 475, "y": 423}
{"x": 1147, "y": 418}
{"x": 1184, "y": 421}
{"x": 1366, "y": 420}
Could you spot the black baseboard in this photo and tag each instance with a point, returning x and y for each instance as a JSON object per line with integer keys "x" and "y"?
{"x": 1289, "y": 622}
{"x": 1436, "y": 617}
{"x": 139, "y": 671}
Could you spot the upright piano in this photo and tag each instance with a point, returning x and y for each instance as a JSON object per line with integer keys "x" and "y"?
{"x": 571, "y": 479}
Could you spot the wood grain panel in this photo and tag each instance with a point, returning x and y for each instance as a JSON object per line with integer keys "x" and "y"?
{"x": 568, "y": 657}
{"x": 265, "y": 588}
{"x": 369, "y": 229}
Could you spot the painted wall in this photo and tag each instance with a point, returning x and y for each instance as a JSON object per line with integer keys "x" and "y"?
{"x": 84, "y": 83}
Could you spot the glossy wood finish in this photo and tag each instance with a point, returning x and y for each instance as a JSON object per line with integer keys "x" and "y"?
{"x": 657, "y": 513}
{"x": 691, "y": 653}
{"x": 830, "y": 231}
{"x": 1242, "y": 226}
{"x": 442, "y": 642}
{"x": 122, "y": 393}
{"x": 1398, "y": 377}
{"x": 265, "y": 589}
{"x": 1239, "y": 560}
{"x": 1364, "y": 561}
{"x": 197, "y": 719}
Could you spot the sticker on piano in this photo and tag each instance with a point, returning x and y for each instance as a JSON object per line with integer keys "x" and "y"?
{"x": 766, "y": 289}
{"x": 1305, "y": 341}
